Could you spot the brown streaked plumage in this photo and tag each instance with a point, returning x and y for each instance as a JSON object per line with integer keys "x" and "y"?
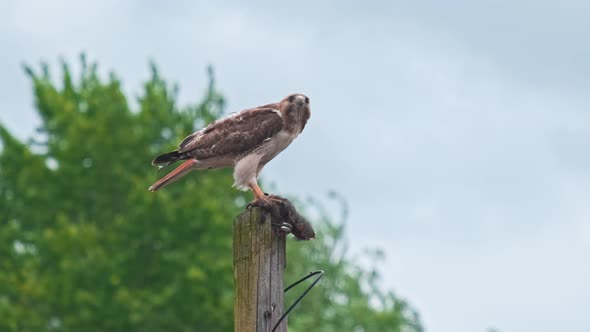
{"x": 246, "y": 141}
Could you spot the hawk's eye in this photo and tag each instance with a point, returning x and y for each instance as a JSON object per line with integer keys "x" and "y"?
{"x": 291, "y": 98}
{"x": 306, "y": 100}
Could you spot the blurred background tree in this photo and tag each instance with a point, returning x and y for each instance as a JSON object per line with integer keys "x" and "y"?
{"x": 85, "y": 247}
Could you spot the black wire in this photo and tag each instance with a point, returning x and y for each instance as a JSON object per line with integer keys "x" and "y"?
{"x": 311, "y": 274}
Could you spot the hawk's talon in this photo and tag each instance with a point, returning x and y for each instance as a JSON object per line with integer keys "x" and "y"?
{"x": 261, "y": 203}
{"x": 284, "y": 216}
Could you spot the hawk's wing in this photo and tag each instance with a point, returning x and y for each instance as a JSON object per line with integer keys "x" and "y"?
{"x": 235, "y": 134}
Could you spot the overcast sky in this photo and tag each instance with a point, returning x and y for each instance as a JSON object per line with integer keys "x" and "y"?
{"x": 458, "y": 131}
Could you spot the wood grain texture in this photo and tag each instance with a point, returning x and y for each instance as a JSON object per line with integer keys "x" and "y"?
{"x": 259, "y": 261}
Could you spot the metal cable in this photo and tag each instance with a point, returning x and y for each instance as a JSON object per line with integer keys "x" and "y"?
{"x": 311, "y": 274}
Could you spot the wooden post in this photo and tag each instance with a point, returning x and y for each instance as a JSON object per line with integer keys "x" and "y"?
{"x": 259, "y": 261}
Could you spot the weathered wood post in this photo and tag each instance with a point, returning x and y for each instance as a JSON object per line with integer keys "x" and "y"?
{"x": 259, "y": 261}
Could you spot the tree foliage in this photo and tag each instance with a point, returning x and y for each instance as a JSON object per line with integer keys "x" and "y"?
{"x": 85, "y": 247}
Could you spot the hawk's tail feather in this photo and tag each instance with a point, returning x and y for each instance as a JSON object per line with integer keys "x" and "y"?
{"x": 167, "y": 158}
{"x": 176, "y": 174}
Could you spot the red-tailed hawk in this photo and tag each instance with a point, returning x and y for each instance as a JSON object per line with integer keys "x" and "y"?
{"x": 246, "y": 141}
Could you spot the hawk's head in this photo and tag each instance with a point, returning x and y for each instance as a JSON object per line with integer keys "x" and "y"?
{"x": 295, "y": 111}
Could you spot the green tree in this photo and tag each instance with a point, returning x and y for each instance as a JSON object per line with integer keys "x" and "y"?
{"x": 85, "y": 247}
